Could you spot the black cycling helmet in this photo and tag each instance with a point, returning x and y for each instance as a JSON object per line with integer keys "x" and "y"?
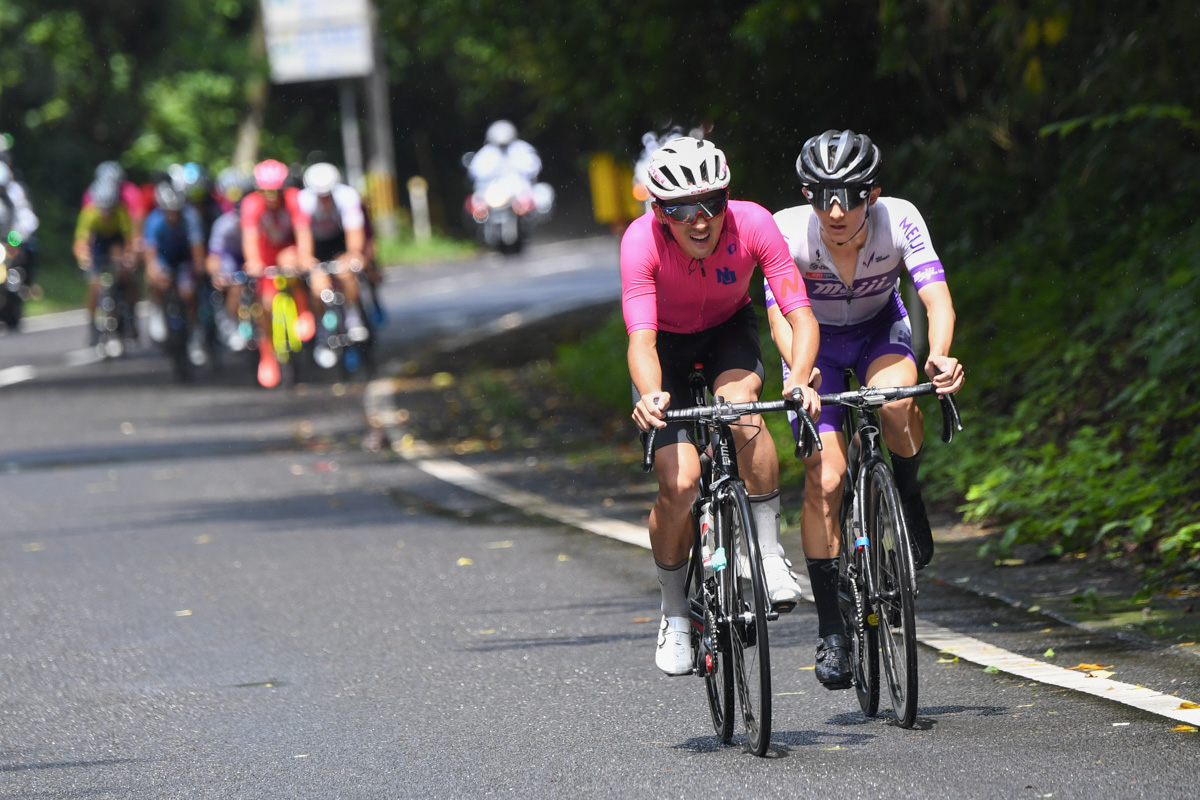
{"x": 838, "y": 160}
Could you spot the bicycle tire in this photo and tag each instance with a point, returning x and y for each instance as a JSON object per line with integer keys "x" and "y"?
{"x": 895, "y": 608}
{"x": 856, "y": 612}
{"x": 747, "y": 609}
{"x": 710, "y": 645}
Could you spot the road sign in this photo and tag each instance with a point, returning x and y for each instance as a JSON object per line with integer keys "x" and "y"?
{"x": 316, "y": 40}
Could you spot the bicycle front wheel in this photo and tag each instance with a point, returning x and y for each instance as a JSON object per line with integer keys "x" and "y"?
{"x": 710, "y": 643}
{"x": 747, "y": 609}
{"x": 856, "y": 612}
{"x": 892, "y": 552}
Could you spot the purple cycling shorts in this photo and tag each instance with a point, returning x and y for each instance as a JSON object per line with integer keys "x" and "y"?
{"x": 856, "y": 347}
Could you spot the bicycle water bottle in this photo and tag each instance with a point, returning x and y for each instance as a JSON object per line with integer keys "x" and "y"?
{"x": 706, "y": 534}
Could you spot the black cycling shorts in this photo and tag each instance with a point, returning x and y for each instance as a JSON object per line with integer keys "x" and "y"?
{"x": 734, "y": 344}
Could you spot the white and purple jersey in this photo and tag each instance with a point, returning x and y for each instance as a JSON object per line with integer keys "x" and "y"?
{"x": 896, "y": 239}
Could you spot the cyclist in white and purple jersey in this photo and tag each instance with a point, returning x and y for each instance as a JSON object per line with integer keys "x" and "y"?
{"x": 851, "y": 246}
{"x": 686, "y": 266}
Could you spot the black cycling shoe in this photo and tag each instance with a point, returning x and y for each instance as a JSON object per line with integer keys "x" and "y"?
{"x": 919, "y": 531}
{"x": 833, "y": 662}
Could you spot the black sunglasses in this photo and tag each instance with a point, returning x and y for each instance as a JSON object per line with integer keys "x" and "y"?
{"x": 848, "y": 197}
{"x": 687, "y": 212}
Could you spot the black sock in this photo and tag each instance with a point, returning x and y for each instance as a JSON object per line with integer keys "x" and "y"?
{"x": 905, "y": 470}
{"x": 823, "y": 574}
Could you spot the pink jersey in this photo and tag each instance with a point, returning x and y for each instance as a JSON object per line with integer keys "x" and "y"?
{"x": 662, "y": 289}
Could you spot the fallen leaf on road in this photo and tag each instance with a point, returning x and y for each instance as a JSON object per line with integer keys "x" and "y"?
{"x": 992, "y": 669}
{"x": 465, "y": 562}
{"x": 563, "y": 557}
{"x": 641, "y": 619}
{"x": 948, "y": 660}
{"x": 1187, "y": 705}
{"x": 1089, "y": 667}
{"x": 1184, "y": 729}
{"x": 1049, "y": 653}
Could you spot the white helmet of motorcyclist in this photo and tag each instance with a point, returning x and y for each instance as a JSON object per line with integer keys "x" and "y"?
{"x": 501, "y": 133}
{"x": 686, "y": 167}
{"x": 322, "y": 178}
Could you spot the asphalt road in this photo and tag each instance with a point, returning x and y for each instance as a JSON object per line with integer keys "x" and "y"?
{"x": 214, "y": 591}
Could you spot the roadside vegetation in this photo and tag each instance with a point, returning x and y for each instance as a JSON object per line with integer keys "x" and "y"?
{"x": 1052, "y": 146}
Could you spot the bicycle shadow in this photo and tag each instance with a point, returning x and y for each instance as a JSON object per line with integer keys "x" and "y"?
{"x": 782, "y": 742}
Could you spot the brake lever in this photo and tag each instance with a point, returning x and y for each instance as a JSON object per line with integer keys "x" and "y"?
{"x": 808, "y": 438}
{"x": 648, "y": 453}
{"x": 951, "y": 422}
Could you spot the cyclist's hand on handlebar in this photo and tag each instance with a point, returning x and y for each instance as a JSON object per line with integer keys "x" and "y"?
{"x": 807, "y": 396}
{"x": 946, "y": 373}
{"x": 648, "y": 413}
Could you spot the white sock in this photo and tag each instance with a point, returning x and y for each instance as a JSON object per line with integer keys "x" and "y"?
{"x": 765, "y": 508}
{"x": 672, "y": 581}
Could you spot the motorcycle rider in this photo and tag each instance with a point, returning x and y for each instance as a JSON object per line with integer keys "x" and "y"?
{"x": 503, "y": 154}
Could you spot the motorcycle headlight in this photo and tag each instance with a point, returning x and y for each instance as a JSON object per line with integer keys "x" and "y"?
{"x": 497, "y": 195}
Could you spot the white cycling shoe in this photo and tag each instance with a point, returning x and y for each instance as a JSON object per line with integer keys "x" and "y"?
{"x": 674, "y": 653}
{"x": 782, "y": 588}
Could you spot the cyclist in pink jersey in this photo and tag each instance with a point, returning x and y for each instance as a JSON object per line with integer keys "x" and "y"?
{"x": 851, "y": 246}
{"x": 685, "y": 269}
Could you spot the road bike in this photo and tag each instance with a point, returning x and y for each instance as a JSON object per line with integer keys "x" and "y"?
{"x": 287, "y": 339}
{"x": 178, "y": 328}
{"x": 877, "y": 585}
{"x": 726, "y": 585}
{"x": 351, "y": 350}
{"x": 114, "y": 315}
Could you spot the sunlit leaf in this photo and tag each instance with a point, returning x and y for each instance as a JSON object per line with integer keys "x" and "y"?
{"x": 1184, "y": 729}
{"x": 1188, "y": 704}
{"x": 1049, "y": 653}
{"x": 1089, "y": 667}
{"x": 465, "y": 562}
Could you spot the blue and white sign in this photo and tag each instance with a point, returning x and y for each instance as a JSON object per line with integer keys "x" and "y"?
{"x": 316, "y": 40}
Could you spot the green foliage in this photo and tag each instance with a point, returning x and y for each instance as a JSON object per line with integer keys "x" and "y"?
{"x": 596, "y": 369}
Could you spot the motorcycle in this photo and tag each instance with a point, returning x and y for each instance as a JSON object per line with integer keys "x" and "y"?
{"x": 507, "y": 209}
{"x": 14, "y": 288}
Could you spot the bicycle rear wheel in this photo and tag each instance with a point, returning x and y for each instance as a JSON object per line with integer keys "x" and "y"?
{"x": 748, "y": 609}
{"x": 710, "y": 643}
{"x": 892, "y": 554}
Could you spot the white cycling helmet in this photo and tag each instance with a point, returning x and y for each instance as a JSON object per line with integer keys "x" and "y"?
{"x": 168, "y": 198}
{"x": 686, "y": 167}
{"x": 322, "y": 178}
{"x": 501, "y": 133}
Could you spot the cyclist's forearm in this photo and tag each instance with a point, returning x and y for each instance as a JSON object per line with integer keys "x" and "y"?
{"x": 806, "y": 339}
{"x": 644, "y": 367}
{"x": 939, "y": 310}
{"x": 781, "y": 333}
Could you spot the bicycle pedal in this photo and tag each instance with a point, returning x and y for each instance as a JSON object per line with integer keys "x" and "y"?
{"x": 781, "y": 608}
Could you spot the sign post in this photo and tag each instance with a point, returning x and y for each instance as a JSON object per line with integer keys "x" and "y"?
{"x": 318, "y": 40}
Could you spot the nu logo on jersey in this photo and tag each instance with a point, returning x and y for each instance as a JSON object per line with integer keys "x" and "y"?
{"x": 726, "y": 277}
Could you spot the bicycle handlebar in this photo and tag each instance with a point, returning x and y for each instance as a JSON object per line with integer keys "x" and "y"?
{"x": 866, "y": 397}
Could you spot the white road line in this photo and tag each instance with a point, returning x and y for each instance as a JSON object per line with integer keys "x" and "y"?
{"x": 12, "y": 375}
{"x": 935, "y": 636}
